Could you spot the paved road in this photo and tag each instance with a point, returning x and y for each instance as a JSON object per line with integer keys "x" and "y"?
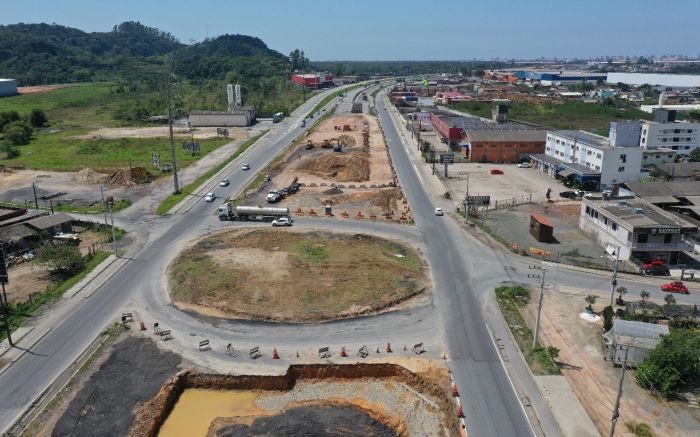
{"x": 27, "y": 378}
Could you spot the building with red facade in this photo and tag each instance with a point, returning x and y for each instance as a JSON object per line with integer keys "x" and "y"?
{"x": 313, "y": 80}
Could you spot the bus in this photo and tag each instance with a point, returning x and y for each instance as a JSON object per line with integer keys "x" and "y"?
{"x": 276, "y": 118}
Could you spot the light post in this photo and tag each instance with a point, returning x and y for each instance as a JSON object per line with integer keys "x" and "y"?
{"x": 110, "y": 201}
{"x": 614, "y": 277}
{"x": 176, "y": 188}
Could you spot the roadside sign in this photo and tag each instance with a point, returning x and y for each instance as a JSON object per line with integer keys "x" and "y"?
{"x": 479, "y": 200}
{"x": 4, "y": 277}
{"x": 447, "y": 158}
{"x": 155, "y": 159}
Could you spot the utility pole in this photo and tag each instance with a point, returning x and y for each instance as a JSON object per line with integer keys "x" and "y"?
{"x": 104, "y": 206}
{"x": 3, "y": 299}
{"x": 614, "y": 277}
{"x": 36, "y": 201}
{"x": 616, "y": 410}
{"x": 176, "y": 188}
{"x": 466, "y": 203}
{"x": 114, "y": 234}
{"x": 539, "y": 310}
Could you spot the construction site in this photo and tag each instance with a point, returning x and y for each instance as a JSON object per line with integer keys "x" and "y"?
{"x": 344, "y": 169}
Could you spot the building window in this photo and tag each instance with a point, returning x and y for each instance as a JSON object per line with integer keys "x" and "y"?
{"x": 623, "y": 158}
{"x": 614, "y": 226}
{"x": 588, "y": 210}
{"x": 597, "y": 167}
{"x": 598, "y": 155}
{"x": 642, "y": 238}
{"x": 644, "y": 140}
{"x": 667, "y": 238}
{"x": 620, "y": 169}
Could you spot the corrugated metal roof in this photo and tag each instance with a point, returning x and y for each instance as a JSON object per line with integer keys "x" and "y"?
{"x": 678, "y": 188}
{"x": 15, "y": 233}
{"x": 49, "y": 221}
{"x": 632, "y": 333}
{"x": 542, "y": 219}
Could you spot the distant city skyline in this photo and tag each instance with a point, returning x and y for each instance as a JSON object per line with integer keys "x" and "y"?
{"x": 391, "y": 30}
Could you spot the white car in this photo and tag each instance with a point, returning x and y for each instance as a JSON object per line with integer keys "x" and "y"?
{"x": 438, "y": 211}
{"x": 246, "y": 167}
{"x": 209, "y": 197}
{"x": 224, "y": 183}
{"x": 524, "y": 165}
{"x": 283, "y": 221}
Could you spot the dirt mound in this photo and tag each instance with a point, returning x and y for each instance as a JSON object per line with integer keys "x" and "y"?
{"x": 89, "y": 176}
{"x": 316, "y": 420}
{"x": 334, "y": 190}
{"x": 352, "y": 167}
{"x": 129, "y": 176}
{"x": 346, "y": 141}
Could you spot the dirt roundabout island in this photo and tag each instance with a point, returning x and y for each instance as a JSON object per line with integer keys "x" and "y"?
{"x": 291, "y": 276}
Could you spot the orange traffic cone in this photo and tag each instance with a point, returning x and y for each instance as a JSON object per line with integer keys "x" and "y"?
{"x": 275, "y": 355}
{"x": 388, "y": 348}
{"x": 455, "y": 393}
{"x": 342, "y": 352}
{"x": 143, "y": 326}
{"x": 460, "y": 413}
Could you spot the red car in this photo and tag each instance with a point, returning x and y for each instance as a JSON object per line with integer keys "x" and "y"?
{"x": 496, "y": 171}
{"x": 657, "y": 263}
{"x": 675, "y": 287}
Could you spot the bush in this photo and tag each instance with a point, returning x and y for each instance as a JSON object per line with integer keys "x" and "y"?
{"x": 17, "y": 133}
{"x": 61, "y": 258}
{"x": 673, "y": 364}
{"x": 37, "y": 118}
{"x": 607, "y": 318}
{"x": 639, "y": 429}
{"x": 513, "y": 292}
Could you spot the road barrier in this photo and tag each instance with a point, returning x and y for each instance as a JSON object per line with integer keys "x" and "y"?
{"x": 127, "y": 317}
{"x": 165, "y": 335}
{"x": 275, "y": 355}
{"x": 255, "y": 353}
{"x": 363, "y": 352}
{"x": 204, "y": 345}
{"x": 388, "y": 348}
{"x": 323, "y": 352}
{"x": 455, "y": 393}
{"x": 418, "y": 348}
{"x": 342, "y": 352}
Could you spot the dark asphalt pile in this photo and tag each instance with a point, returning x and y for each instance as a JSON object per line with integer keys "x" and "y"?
{"x": 133, "y": 373}
{"x": 316, "y": 421}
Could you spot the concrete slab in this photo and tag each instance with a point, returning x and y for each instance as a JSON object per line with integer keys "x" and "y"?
{"x": 570, "y": 414}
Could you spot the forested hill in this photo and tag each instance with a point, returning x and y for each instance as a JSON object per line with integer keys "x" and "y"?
{"x": 49, "y": 53}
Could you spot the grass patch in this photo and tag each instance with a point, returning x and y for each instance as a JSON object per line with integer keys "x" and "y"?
{"x": 174, "y": 199}
{"x": 326, "y": 100}
{"x": 21, "y": 311}
{"x": 639, "y": 429}
{"x": 62, "y": 151}
{"x": 92, "y": 209}
{"x": 296, "y": 276}
{"x": 592, "y": 117}
{"x": 541, "y": 359}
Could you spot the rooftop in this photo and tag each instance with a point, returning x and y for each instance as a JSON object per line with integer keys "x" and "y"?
{"x": 632, "y": 333}
{"x": 638, "y": 213}
{"x": 507, "y": 135}
{"x": 49, "y": 221}
{"x": 241, "y": 110}
{"x": 470, "y": 124}
{"x": 583, "y": 137}
{"x": 573, "y": 166}
{"x": 677, "y": 188}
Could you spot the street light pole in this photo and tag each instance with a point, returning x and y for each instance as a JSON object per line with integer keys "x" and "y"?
{"x": 466, "y": 203}
{"x": 176, "y": 188}
{"x": 3, "y": 299}
{"x": 614, "y": 277}
{"x": 114, "y": 234}
{"x": 539, "y": 310}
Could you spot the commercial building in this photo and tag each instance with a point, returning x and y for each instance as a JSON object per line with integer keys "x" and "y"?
{"x": 664, "y": 132}
{"x": 244, "y": 116}
{"x": 8, "y": 87}
{"x": 482, "y": 140}
{"x": 449, "y": 97}
{"x": 313, "y": 80}
{"x": 640, "y": 229}
{"x": 563, "y": 77}
{"x": 592, "y": 161}
{"x": 657, "y": 157}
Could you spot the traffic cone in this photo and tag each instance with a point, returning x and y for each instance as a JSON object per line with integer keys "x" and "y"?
{"x": 460, "y": 413}
{"x": 342, "y": 352}
{"x": 297, "y": 354}
{"x": 388, "y": 348}
{"x": 444, "y": 357}
{"x": 377, "y": 349}
{"x": 455, "y": 393}
{"x": 143, "y": 326}
{"x": 275, "y": 355}
{"x": 404, "y": 347}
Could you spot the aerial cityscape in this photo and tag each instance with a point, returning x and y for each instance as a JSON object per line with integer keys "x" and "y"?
{"x": 390, "y": 219}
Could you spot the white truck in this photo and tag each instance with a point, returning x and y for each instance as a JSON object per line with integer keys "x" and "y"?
{"x": 228, "y": 212}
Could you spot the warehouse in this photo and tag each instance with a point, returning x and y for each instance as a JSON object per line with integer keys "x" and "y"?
{"x": 313, "y": 80}
{"x": 242, "y": 117}
{"x": 8, "y": 87}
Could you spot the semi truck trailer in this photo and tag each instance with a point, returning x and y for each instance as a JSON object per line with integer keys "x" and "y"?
{"x": 228, "y": 212}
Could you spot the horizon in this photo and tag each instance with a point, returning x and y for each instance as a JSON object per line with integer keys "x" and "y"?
{"x": 386, "y": 31}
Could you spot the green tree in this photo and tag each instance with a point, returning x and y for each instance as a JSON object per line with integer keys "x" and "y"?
{"x": 644, "y": 295}
{"x": 17, "y": 133}
{"x": 608, "y": 318}
{"x": 673, "y": 364}
{"x": 621, "y": 291}
{"x": 694, "y": 155}
{"x": 669, "y": 299}
{"x": 61, "y": 258}
{"x": 37, "y": 118}
{"x": 7, "y": 117}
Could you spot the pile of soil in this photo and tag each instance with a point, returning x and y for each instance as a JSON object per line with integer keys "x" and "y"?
{"x": 134, "y": 372}
{"x": 351, "y": 167}
{"x": 89, "y": 176}
{"x": 326, "y": 420}
{"x": 346, "y": 141}
{"x": 334, "y": 190}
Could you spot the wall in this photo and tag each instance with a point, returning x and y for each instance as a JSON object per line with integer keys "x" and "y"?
{"x": 612, "y": 162}
{"x": 651, "y": 157}
{"x": 501, "y": 151}
{"x": 219, "y": 120}
{"x": 602, "y": 231}
{"x": 674, "y": 136}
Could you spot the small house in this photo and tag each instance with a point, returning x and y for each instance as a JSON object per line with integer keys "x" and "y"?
{"x": 638, "y": 338}
{"x": 541, "y": 228}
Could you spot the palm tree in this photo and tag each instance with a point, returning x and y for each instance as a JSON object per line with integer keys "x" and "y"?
{"x": 590, "y": 300}
{"x": 644, "y": 294}
{"x": 621, "y": 291}
{"x": 669, "y": 299}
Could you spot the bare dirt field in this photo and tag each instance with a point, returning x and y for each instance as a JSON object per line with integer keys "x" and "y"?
{"x": 157, "y": 132}
{"x": 27, "y": 278}
{"x": 282, "y": 275}
{"x": 38, "y": 89}
{"x": 343, "y": 163}
{"x": 595, "y": 381}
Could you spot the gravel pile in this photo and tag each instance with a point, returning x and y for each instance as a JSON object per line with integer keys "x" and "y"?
{"x": 421, "y": 416}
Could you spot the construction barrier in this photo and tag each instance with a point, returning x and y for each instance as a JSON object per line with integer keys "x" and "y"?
{"x": 255, "y": 353}
{"x": 204, "y": 345}
{"x": 342, "y": 352}
{"x": 324, "y": 352}
{"x": 388, "y": 348}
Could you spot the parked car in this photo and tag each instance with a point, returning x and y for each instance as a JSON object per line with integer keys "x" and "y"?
{"x": 656, "y": 271}
{"x": 224, "y": 183}
{"x": 438, "y": 211}
{"x": 246, "y": 167}
{"x": 283, "y": 221}
{"x": 568, "y": 194}
{"x": 524, "y": 165}
{"x": 675, "y": 287}
{"x": 654, "y": 263}
{"x": 496, "y": 171}
{"x": 209, "y": 197}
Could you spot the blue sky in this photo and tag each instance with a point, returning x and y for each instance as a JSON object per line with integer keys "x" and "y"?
{"x": 401, "y": 29}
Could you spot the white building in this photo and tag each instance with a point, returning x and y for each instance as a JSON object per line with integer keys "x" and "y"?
{"x": 8, "y": 87}
{"x": 666, "y": 133}
{"x": 594, "y": 154}
{"x": 640, "y": 229}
